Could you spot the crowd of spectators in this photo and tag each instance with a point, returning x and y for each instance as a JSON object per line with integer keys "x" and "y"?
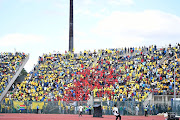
{"x": 113, "y": 74}
{"x": 9, "y": 64}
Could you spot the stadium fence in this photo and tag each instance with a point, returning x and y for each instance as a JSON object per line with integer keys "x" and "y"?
{"x": 71, "y": 107}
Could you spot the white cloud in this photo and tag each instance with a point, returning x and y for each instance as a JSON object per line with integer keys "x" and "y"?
{"x": 20, "y": 39}
{"x": 121, "y": 2}
{"x": 139, "y": 28}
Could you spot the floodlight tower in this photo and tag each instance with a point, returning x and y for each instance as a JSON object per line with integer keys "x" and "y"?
{"x": 71, "y": 27}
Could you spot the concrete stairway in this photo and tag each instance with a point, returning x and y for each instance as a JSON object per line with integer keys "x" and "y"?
{"x": 148, "y": 100}
{"x": 14, "y": 78}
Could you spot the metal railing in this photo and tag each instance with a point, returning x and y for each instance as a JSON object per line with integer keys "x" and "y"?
{"x": 72, "y": 107}
{"x": 176, "y": 106}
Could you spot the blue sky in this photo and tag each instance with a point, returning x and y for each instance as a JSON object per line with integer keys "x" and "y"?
{"x": 41, "y": 26}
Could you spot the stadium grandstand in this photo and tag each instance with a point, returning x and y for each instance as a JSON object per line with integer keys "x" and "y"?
{"x": 127, "y": 76}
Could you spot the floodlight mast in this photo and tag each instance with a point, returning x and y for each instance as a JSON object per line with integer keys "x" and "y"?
{"x": 71, "y": 27}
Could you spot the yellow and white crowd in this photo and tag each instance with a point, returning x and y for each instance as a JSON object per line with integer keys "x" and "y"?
{"x": 113, "y": 74}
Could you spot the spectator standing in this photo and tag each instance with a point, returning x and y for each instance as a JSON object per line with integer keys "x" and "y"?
{"x": 37, "y": 109}
{"x": 116, "y": 113}
{"x": 145, "y": 110}
{"x": 80, "y": 110}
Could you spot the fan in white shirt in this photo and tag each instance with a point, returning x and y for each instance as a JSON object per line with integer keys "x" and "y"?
{"x": 80, "y": 110}
{"x": 116, "y": 113}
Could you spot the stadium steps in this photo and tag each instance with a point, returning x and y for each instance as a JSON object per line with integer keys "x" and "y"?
{"x": 95, "y": 62}
{"x": 90, "y": 101}
{"x": 148, "y": 100}
{"x": 164, "y": 58}
{"x": 14, "y": 78}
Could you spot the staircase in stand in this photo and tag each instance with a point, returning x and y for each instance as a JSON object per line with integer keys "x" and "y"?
{"x": 14, "y": 78}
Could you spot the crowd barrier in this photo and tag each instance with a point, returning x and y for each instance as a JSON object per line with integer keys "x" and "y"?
{"x": 72, "y": 107}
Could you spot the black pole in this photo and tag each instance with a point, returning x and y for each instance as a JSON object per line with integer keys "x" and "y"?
{"x": 71, "y": 27}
